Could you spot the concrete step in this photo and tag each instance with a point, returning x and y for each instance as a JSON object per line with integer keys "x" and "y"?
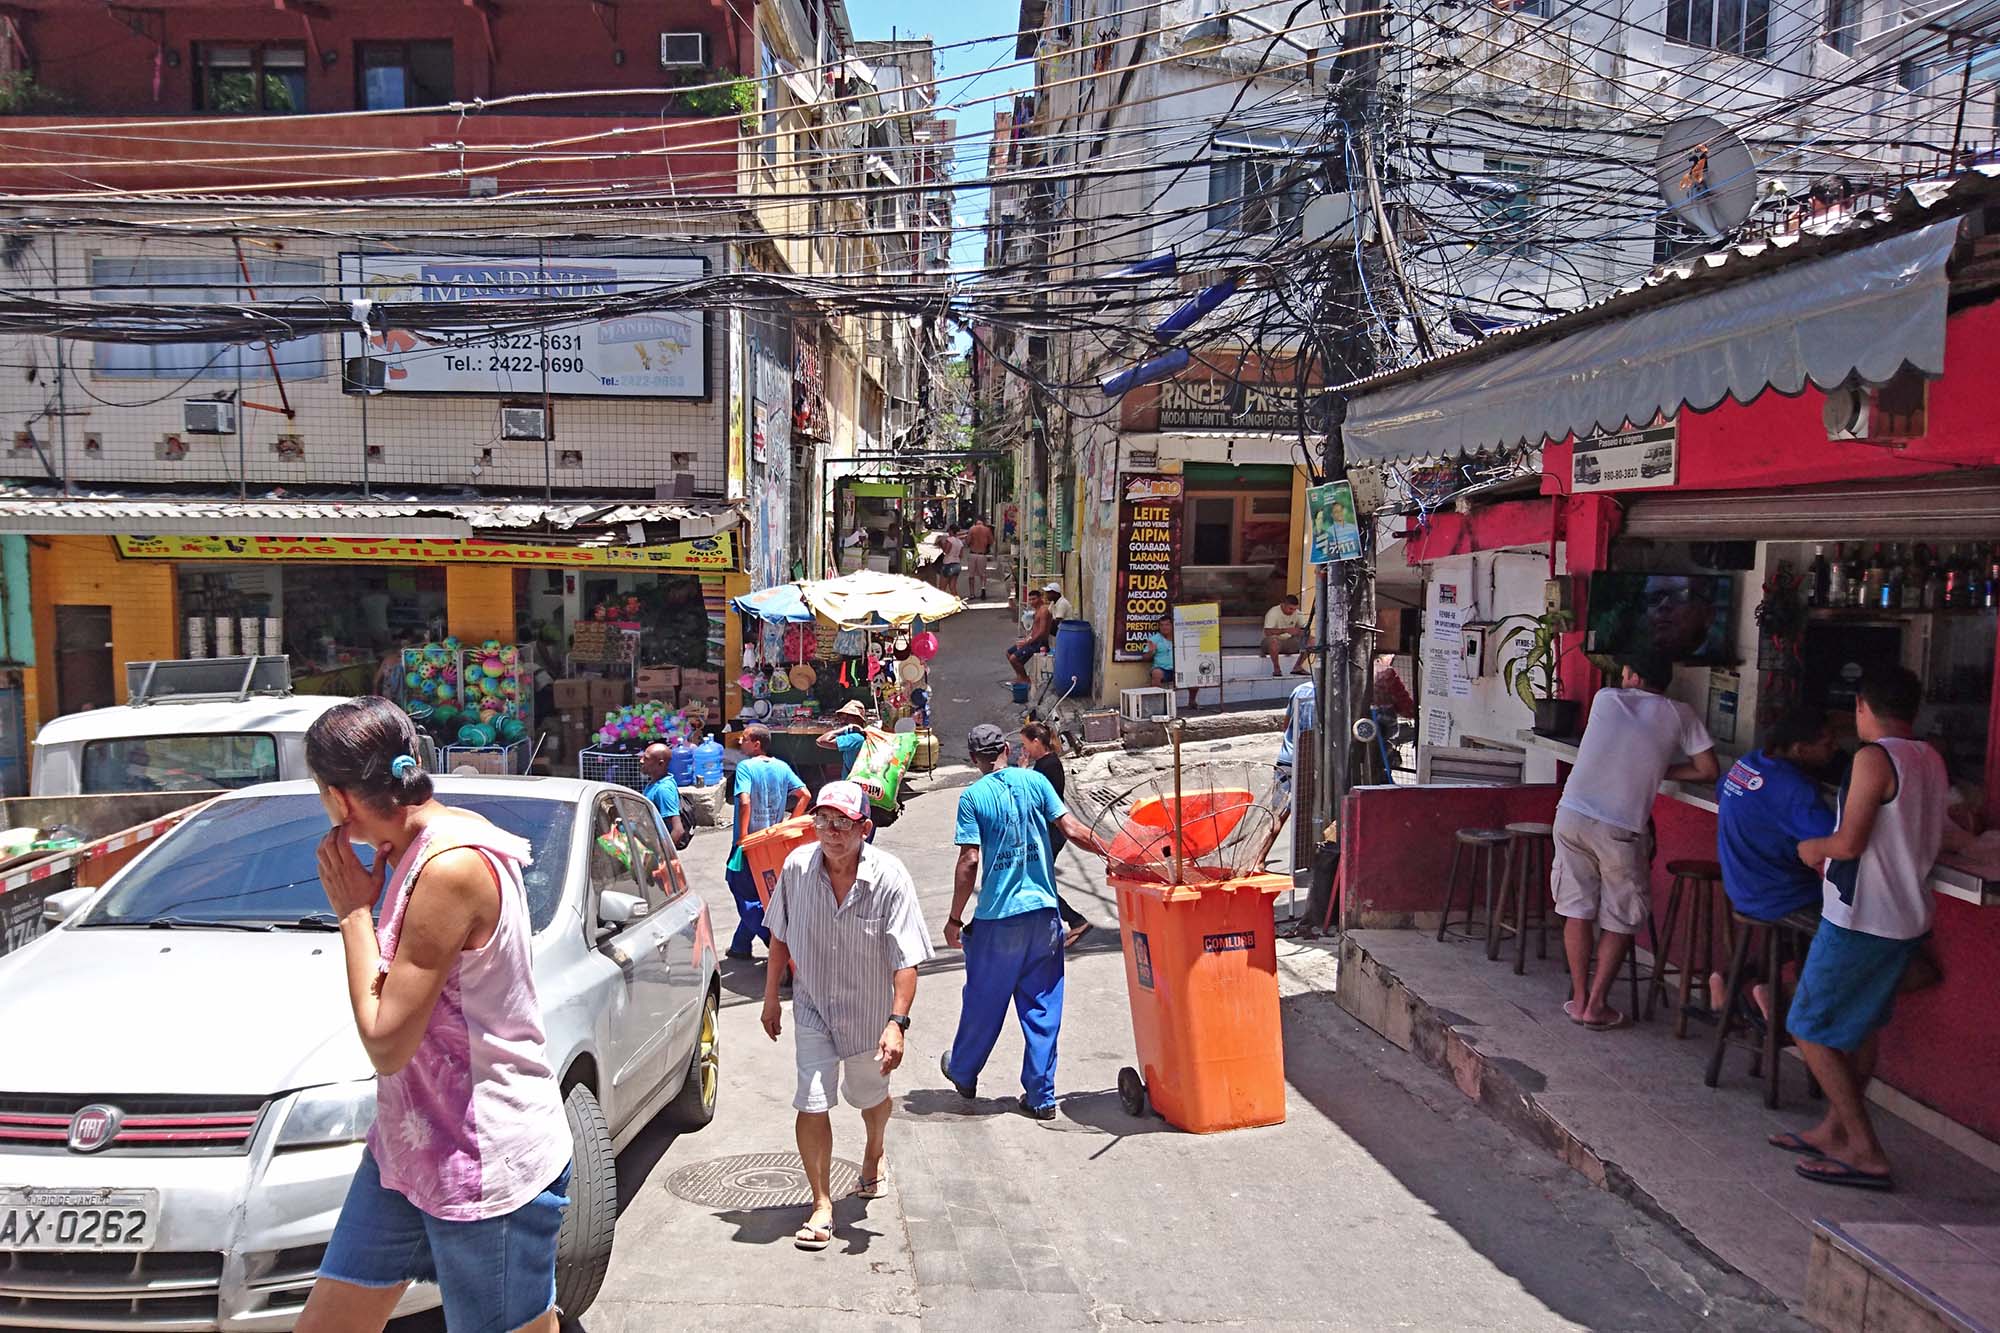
{"x": 1248, "y": 666}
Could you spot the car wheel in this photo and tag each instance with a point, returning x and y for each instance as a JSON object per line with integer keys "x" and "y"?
{"x": 694, "y": 1107}
{"x": 583, "y": 1246}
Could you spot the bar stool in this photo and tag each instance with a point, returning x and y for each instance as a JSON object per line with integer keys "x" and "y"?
{"x": 1524, "y": 888}
{"x": 1488, "y": 848}
{"x": 1696, "y": 885}
{"x": 1788, "y": 935}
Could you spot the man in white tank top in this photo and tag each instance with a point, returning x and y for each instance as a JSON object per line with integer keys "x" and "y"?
{"x": 1876, "y": 867}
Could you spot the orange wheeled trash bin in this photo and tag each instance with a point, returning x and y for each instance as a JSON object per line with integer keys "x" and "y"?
{"x": 764, "y": 851}
{"x": 1201, "y": 965}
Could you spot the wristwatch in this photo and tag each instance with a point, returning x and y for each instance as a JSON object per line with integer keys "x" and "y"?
{"x": 900, "y": 1020}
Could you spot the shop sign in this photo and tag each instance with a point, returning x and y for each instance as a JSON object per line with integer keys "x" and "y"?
{"x": 1223, "y": 404}
{"x": 1627, "y": 460}
{"x": 643, "y": 353}
{"x": 1336, "y": 535}
{"x": 701, "y": 554}
{"x": 1198, "y": 646}
{"x": 1149, "y": 538}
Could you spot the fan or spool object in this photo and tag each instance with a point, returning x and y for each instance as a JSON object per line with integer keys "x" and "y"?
{"x": 1706, "y": 174}
{"x": 1219, "y": 827}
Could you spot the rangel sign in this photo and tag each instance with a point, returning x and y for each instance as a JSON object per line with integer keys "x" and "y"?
{"x": 659, "y": 354}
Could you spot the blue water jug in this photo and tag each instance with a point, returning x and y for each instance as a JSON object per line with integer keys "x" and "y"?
{"x": 680, "y": 764}
{"x": 708, "y": 763}
{"x": 1075, "y": 649}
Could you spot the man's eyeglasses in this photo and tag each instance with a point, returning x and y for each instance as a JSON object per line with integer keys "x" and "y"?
{"x": 832, "y": 821}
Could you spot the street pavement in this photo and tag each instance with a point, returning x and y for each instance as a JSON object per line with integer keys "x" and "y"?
{"x": 1385, "y": 1200}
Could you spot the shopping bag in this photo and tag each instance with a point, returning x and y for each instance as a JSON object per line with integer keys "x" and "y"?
{"x": 879, "y": 768}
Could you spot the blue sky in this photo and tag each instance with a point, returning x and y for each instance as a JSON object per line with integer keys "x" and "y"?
{"x": 947, "y": 21}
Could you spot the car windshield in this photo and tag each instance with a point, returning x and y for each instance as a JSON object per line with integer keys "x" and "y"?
{"x": 200, "y": 762}
{"x": 254, "y": 863}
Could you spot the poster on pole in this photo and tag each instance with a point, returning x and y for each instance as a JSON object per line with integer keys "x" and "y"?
{"x": 643, "y": 351}
{"x": 1336, "y": 536}
{"x": 1198, "y": 646}
{"x": 1149, "y": 538}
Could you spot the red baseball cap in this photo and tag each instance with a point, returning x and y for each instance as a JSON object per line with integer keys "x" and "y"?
{"x": 846, "y": 797}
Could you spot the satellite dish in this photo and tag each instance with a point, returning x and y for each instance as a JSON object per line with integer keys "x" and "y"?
{"x": 1706, "y": 174}
{"x": 853, "y": 129}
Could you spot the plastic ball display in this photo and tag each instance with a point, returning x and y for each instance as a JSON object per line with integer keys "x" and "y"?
{"x": 924, "y": 646}
{"x": 473, "y": 734}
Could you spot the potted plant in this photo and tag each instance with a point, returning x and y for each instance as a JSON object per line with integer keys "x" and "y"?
{"x": 1532, "y": 672}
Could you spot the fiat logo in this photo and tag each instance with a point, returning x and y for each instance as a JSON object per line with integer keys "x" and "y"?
{"x": 94, "y": 1127}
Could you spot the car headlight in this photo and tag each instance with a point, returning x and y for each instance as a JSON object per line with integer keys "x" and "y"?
{"x": 336, "y": 1113}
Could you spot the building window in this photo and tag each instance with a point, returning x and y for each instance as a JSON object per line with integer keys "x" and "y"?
{"x": 1256, "y": 186}
{"x": 205, "y": 281}
{"x": 1741, "y": 27}
{"x": 1843, "y": 25}
{"x": 395, "y": 75}
{"x": 1534, "y": 9}
{"x": 770, "y": 84}
{"x": 249, "y": 78}
{"x": 1508, "y": 210}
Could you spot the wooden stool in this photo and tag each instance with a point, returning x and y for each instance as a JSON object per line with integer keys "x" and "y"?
{"x": 1524, "y": 889}
{"x": 1488, "y": 847}
{"x": 1787, "y": 935}
{"x": 1696, "y": 886}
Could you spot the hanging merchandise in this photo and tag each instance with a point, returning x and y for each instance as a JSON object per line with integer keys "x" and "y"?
{"x": 910, "y": 671}
{"x": 803, "y": 677}
{"x": 850, "y": 643}
{"x": 924, "y": 646}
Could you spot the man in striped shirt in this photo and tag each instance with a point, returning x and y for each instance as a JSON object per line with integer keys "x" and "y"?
{"x": 844, "y": 914}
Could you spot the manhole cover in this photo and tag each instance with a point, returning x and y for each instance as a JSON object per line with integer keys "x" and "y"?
{"x": 756, "y": 1180}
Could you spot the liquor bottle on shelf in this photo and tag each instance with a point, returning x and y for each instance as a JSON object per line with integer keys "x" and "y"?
{"x": 1990, "y": 593}
{"x": 1856, "y": 590}
{"x": 1817, "y": 582}
{"x": 1954, "y": 581}
{"x": 1836, "y": 578}
{"x": 1933, "y": 596}
{"x": 1872, "y": 579}
{"x": 1913, "y": 582}
{"x": 1891, "y": 596}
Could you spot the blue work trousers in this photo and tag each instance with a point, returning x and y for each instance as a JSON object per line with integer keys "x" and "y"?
{"x": 749, "y": 912}
{"x": 1017, "y": 958}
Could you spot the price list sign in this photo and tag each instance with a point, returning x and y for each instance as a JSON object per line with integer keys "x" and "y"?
{"x": 1149, "y": 538}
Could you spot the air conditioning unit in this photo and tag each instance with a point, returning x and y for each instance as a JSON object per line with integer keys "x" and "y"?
{"x": 679, "y": 50}
{"x": 208, "y": 416}
{"x": 1846, "y": 412}
{"x": 525, "y": 423}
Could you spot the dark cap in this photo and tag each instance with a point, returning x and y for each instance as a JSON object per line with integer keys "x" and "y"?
{"x": 1656, "y": 669}
{"x": 985, "y": 739}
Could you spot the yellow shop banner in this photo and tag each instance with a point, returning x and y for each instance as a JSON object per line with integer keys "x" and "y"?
{"x": 715, "y": 554}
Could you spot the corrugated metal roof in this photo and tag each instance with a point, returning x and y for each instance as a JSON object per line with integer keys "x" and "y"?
{"x": 1917, "y": 203}
{"x": 39, "y": 509}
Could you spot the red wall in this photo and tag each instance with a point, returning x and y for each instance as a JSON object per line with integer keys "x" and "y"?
{"x": 102, "y": 65}
{"x": 1396, "y": 844}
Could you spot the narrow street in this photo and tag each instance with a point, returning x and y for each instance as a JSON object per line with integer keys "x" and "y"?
{"x": 1384, "y": 1201}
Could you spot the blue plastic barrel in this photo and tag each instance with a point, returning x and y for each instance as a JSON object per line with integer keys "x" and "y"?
{"x": 1076, "y": 647}
{"x": 708, "y": 763}
{"x": 680, "y": 764}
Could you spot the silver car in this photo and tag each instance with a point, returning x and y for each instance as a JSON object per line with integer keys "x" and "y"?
{"x": 184, "y": 1098}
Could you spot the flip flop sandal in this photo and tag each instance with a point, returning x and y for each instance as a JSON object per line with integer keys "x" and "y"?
{"x": 1846, "y": 1175}
{"x": 1618, "y": 1021}
{"x": 1075, "y": 936}
{"x": 1792, "y": 1142}
{"x": 870, "y": 1187}
{"x": 813, "y": 1238}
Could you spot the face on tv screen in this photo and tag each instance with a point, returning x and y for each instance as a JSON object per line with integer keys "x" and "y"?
{"x": 1683, "y": 616}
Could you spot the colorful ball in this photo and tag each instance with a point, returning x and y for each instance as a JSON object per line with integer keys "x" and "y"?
{"x": 446, "y": 693}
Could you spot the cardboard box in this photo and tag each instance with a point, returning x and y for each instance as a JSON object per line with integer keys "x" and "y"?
{"x": 703, "y": 683}
{"x": 669, "y": 696}
{"x": 573, "y": 695}
{"x": 658, "y": 680}
{"x": 606, "y": 694}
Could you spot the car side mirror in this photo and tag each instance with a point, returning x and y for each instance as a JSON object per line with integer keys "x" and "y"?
{"x": 617, "y": 910}
{"x": 60, "y": 907}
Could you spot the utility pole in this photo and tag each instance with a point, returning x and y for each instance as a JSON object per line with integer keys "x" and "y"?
{"x": 1355, "y": 101}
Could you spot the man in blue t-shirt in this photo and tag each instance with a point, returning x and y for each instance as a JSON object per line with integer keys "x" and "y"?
{"x": 1767, "y": 804}
{"x": 762, "y": 786}
{"x": 850, "y": 737}
{"x": 663, "y": 791}
{"x": 1014, "y": 946}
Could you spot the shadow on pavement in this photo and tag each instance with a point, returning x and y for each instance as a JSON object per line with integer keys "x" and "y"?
{"x": 774, "y": 1226}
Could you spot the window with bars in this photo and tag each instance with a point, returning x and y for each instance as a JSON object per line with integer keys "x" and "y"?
{"x": 1843, "y": 25}
{"x": 1256, "y": 185}
{"x": 1674, "y": 237}
{"x": 205, "y": 281}
{"x": 1741, "y": 27}
{"x": 771, "y": 86}
{"x": 250, "y": 78}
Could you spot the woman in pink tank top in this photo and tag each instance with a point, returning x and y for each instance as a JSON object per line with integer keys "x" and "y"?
{"x": 465, "y": 1176}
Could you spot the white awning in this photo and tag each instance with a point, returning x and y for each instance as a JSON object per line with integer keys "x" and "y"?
{"x": 1213, "y": 446}
{"x": 802, "y": 87}
{"x": 1865, "y": 312}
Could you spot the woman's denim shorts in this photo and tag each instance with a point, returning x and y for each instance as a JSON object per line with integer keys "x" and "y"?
{"x": 495, "y": 1275}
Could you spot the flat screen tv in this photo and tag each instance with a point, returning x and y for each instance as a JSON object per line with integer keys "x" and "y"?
{"x": 1684, "y": 616}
